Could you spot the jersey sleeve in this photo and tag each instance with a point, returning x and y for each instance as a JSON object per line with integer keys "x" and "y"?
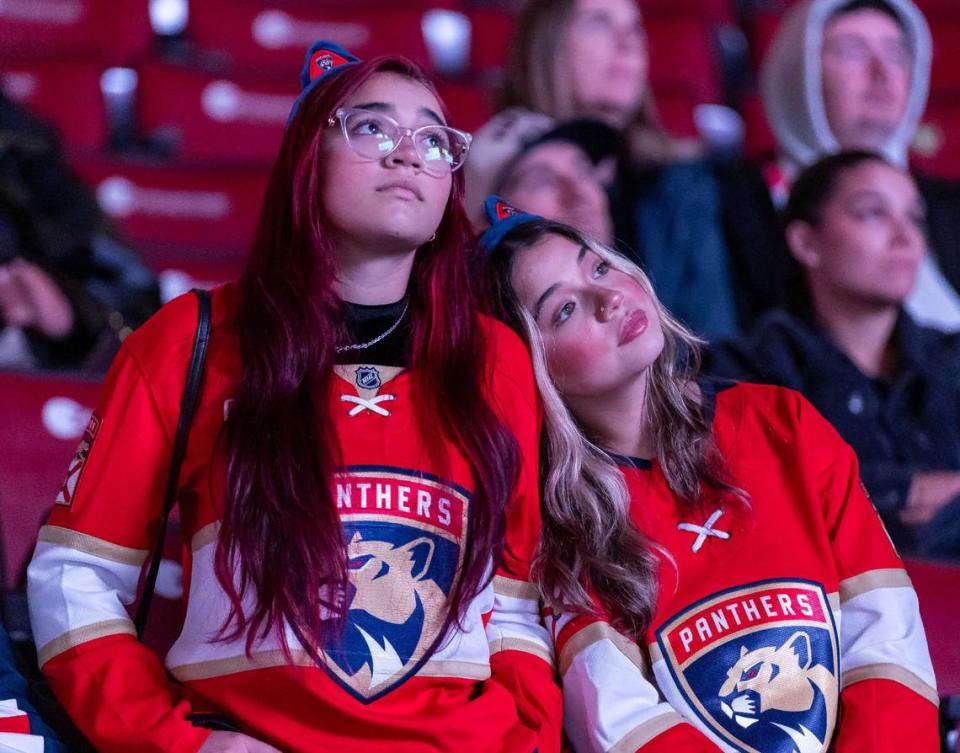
{"x": 609, "y": 702}
{"x": 888, "y": 691}
{"x": 521, "y": 655}
{"x": 86, "y": 567}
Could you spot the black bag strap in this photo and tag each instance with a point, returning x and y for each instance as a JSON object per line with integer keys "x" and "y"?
{"x": 188, "y": 404}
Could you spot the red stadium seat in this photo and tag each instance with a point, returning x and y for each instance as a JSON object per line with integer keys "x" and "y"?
{"x": 178, "y": 207}
{"x": 937, "y": 586}
{"x": 213, "y": 118}
{"x": 111, "y": 31}
{"x": 44, "y": 418}
{"x": 676, "y": 113}
{"x": 759, "y": 140}
{"x": 684, "y": 57}
{"x": 490, "y": 38}
{"x": 936, "y": 10}
{"x": 178, "y": 272}
{"x": 715, "y": 11}
{"x": 469, "y": 105}
{"x": 936, "y": 148}
{"x": 945, "y": 75}
{"x": 65, "y": 94}
{"x": 761, "y": 29}
{"x": 255, "y": 34}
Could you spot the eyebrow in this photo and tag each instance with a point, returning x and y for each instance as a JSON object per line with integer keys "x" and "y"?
{"x": 391, "y": 110}
{"x": 538, "y": 306}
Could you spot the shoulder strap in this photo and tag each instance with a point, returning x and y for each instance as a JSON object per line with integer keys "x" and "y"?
{"x": 188, "y": 404}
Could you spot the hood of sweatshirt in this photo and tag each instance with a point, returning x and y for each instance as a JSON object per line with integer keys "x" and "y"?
{"x": 792, "y": 89}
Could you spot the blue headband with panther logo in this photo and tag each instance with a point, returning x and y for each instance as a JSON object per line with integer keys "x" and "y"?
{"x": 503, "y": 217}
{"x": 323, "y": 59}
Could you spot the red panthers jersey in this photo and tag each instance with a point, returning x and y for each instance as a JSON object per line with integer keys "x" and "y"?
{"x": 788, "y": 627}
{"x": 488, "y": 686}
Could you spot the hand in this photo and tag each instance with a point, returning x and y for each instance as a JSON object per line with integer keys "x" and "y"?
{"x": 29, "y": 298}
{"x": 929, "y": 492}
{"x": 234, "y": 742}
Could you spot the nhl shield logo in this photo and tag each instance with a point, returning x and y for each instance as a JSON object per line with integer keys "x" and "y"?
{"x": 367, "y": 378}
{"x": 403, "y": 533}
{"x": 758, "y": 665}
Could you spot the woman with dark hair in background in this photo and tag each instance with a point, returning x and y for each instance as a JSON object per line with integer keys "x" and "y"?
{"x": 589, "y": 59}
{"x": 854, "y": 229}
{"x": 705, "y": 544}
{"x": 355, "y": 459}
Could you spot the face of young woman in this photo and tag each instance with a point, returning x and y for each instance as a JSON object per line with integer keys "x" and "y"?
{"x": 600, "y": 328}
{"x": 391, "y": 204}
{"x": 607, "y": 58}
{"x": 870, "y": 239}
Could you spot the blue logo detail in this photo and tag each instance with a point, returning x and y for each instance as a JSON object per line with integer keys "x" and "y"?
{"x": 400, "y": 578}
{"x": 368, "y": 378}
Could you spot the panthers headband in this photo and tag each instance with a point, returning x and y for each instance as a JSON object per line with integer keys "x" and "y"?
{"x": 323, "y": 59}
{"x": 503, "y": 218}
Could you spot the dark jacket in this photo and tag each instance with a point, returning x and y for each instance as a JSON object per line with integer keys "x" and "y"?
{"x": 906, "y": 426}
{"x": 668, "y": 219}
{"x": 49, "y": 218}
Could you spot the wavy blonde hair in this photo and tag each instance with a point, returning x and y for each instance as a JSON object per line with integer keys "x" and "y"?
{"x": 590, "y": 550}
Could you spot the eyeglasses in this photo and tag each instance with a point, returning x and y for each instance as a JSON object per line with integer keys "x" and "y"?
{"x": 374, "y": 136}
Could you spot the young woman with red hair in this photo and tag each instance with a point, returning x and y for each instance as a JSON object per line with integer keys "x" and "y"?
{"x": 359, "y": 494}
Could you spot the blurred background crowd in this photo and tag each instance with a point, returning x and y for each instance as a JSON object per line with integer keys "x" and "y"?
{"x": 786, "y": 171}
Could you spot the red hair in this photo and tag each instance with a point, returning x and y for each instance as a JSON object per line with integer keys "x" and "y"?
{"x": 281, "y": 537}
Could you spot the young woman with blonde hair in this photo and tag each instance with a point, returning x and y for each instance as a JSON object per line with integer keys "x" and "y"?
{"x": 715, "y": 573}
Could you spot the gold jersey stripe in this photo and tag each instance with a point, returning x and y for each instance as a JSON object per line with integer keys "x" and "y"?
{"x": 84, "y": 634}
{"x": 893, "y": 672}
{"x": 83, "y": 542}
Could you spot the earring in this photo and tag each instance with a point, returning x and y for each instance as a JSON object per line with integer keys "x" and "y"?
{"x": 432, "y": 238}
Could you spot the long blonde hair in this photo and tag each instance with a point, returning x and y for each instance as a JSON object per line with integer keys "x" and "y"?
{"x": 535, "y": 81}
{"x": 590, "y": 546}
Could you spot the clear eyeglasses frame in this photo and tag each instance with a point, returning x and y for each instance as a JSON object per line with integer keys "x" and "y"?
{"x": 375, "y": 136}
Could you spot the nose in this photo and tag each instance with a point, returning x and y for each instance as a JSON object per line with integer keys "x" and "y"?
{"x": 879, "y": 68}
{"x": 609, "y": 302}
{"x": 571, "y": 191}
{"x": 906, "y": 233}
{"x": 405, "y": 153}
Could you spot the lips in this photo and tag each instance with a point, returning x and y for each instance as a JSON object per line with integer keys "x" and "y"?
{"x": 634, "y": 325}
{"x": 401, "y": 189}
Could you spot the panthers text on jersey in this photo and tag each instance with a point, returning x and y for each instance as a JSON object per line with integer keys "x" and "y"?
{"x": 489, "y": 684}
{"x": 785, "y": 629}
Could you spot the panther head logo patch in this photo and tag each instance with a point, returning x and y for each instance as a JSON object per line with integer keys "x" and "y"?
{"x": 758, "y": 666}
{"x": 403, "y": 539}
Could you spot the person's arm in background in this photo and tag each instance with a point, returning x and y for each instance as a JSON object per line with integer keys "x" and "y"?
{"x": 70, "y": 259}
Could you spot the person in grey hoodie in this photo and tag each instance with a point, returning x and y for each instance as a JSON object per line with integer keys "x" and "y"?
{"x": 841, "y": 74}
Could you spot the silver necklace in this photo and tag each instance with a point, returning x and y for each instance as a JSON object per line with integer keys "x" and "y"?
{"x": 378, "y": 338}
